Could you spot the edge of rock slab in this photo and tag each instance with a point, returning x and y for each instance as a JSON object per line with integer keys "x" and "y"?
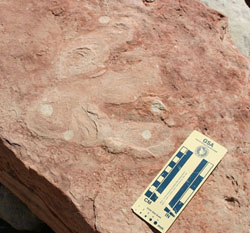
{"x": 236, "y": 42}
{"x": 42, "y": 205}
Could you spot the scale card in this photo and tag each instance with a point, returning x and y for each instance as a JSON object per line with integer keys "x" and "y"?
{"x": 175, "y": 185}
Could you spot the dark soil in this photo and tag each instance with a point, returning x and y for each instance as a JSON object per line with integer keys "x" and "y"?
{"x": 6, "y": 228}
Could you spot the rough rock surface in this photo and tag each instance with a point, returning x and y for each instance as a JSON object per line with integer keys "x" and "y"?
{"x": 97, "y": 95}
{"x": 13, "y": 211}
{"x": 238, "y": 15}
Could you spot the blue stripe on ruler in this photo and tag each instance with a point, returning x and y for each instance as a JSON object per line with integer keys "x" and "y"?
{"x": 154, "y": 197}
{"x": 156, "y": 183}
{"x": 186, "y": 185}
{"x": 174, "y": 171}
{"x": 178, "y": 206}
{"x": 179, "y": 154}
{"x": 168, "y": 211}
{"x": 148, "y": 193}
{"x": 196, "y": 182}
{"x": 172, "y": 164}
{"x": 164, "y": 174}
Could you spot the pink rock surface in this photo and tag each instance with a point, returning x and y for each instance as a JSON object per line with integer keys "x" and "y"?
{"x": 97, "y": 95}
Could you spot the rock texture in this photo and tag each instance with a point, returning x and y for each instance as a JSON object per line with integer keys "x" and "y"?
{"x": 238, "y": 15}
{"x": 97, "y": 95}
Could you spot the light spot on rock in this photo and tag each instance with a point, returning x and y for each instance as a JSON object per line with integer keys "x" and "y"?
{"x": 104, "y": 19}
{"x": 158, "y": 106}
{"x": 146, "y": 134}
{"x": 68, "y": 135}
{"x": 46, "y": 109}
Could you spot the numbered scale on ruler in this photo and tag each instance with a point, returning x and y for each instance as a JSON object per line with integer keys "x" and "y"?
{"x": 175, "y": 185}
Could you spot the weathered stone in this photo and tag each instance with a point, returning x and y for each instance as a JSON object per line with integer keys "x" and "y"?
{"x": 238, "y": 15}
{"x": 97, "y": 95}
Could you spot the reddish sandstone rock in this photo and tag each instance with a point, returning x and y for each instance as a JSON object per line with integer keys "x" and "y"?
{"x": 97, "y": 95}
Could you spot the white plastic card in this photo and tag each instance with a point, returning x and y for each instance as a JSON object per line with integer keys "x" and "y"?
{"x": 179, "y": 180}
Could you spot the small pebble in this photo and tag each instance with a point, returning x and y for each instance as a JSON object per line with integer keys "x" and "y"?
{"x": 158, "y": 106}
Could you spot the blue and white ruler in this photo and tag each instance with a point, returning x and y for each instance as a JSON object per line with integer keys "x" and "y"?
{"x": 175, "y": 185}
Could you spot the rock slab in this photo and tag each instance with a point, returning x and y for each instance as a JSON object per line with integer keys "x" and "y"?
{"x": 238, "y": 14}
{"x": 97, "y": 95}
